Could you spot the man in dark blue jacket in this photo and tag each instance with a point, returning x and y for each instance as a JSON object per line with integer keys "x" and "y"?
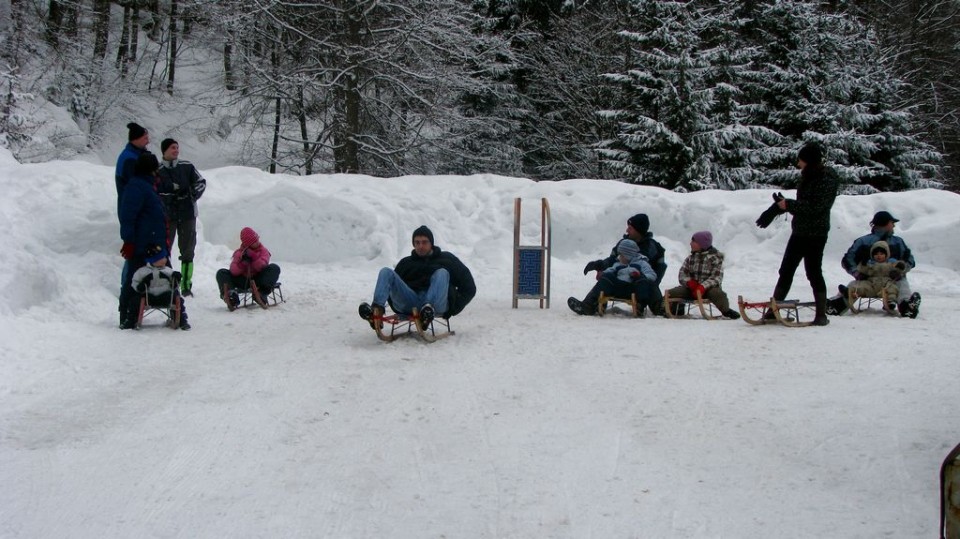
{"x": 142, "y": 224}
{"x": 138, "y": 138}
{"x": 433, "y": 281}
{"x": 881, "y": 229}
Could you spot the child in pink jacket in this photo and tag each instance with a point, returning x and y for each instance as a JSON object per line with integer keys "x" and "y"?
{"x": 251, "y": 262}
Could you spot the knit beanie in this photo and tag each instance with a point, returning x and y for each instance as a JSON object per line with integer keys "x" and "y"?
{"x": 422, "y": 230}
{"x": 704, "y": 239}
{"x": 167, "y": 142}
{"x": 155, "y": 253}
{"x": 811, "y": 154}
{"x": 248, "y": 237}
{"x": 628, "y": 248}
{"x": 640, "y": 222}
{"x": 136, "y": 131}
{"x": 146, "y": 164}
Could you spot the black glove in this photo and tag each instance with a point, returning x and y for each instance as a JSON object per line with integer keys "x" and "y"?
{"x": 895, "y": 274}
{"x": 902, "y": 266}
{"x": 768, "y": 215}
{"x": 246, "y": 257}
{"x": 596, "y": 265}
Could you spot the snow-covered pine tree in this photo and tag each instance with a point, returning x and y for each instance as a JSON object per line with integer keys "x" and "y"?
{"x": 682, "y": 125}
{"x": 824, "y": 79}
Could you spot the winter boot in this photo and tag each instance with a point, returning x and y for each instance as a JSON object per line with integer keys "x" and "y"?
{"x": 838, "y": 304}
{"x": 914, "y": 304}
{"x": 426, "y": 316}
{"x": 579, "y": 307}
{"x": 372, "y": 314}
{"x": 186, "y": 278}
{"x": 731, "y": 314}
{"x": 820, "y": 300}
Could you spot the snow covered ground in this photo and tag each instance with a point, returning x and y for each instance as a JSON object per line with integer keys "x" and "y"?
{"x": 298, "y": 422}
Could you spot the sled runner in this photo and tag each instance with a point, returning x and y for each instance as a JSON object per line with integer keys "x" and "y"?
{"x": 858, "y": 303}
{"x": 251, "y": 296}
{"x": 681, "y": 308}
{"x": 402, "y": 325}
{"x": 635, "y": 309}
{"x": 759, "y": 313}
{"x": 170, "y": 304}
{"x": 753, "y": 312}
{"x": 792, "y": 308}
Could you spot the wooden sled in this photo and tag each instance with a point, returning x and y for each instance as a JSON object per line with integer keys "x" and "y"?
{"x": 631, "y": 301}
{"x": 671, "y": 305}
{"x": 170, "y": 310}
{"x": 250, "y": 297}
{"x": 792, "y": 308}
{"x": 753, "y": 312}
{"x": 785, "y": 312}
{"x": 858, "y": 303}
{"x": 402, "y": 325}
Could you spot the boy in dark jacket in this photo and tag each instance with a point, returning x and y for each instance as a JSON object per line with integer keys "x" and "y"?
{"x": 433, "y": 281}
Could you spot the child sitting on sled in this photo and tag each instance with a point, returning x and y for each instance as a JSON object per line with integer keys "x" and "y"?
{"x": 631, "y": 273}
{"x": 159, "y": 281}
{"x": 880, "y": 274}
{"x": 702, "y": 271}
{"x": 249, "y": 266}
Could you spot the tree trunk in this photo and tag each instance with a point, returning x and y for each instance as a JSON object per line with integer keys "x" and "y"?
{"x": 13, "y": 44}
{"x": 350, "y": 157}
{"x": 302, "y": 120}
{"x": 54, "y": 22}
{"x": 275, "y": 148}
{"x": 124, "y": 46}
{"x": 172, "y": 66}
{"x": 135, "y": 32}
{"x": 229, "y": 77}
{"x": 101, "y": 29}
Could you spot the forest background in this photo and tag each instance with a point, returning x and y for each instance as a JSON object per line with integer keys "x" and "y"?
{"x": 707, "y": 94}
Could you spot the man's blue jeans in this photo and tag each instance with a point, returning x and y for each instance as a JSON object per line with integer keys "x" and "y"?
{"x": 404, "y": 299}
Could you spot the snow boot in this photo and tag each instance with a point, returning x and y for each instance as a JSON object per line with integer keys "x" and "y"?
{"x": 426, "y": 316}
{"x": 820, "y": 301}
{"x": 186, "y": 278}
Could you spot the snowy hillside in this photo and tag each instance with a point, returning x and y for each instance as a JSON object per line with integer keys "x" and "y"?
{"x": 297, "y": 422}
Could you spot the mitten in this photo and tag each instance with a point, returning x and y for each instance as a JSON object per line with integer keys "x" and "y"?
{"x": 596, "y": 265}
{"x": 635, "y": 275}
{"x": 127, "y": 250}
{"x": 768, "y": 216}
{"x": 696, "y": 288}
{"x": 246, "y": 257}
{"x": 895, "y": 274}
{"x": 859, "y": 276}
{"x": 902, "y": 266}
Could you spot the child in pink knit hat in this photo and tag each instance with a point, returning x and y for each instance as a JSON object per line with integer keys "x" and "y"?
{"x": 250, "y": 266}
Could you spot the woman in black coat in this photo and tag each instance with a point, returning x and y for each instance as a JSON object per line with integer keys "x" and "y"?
{"x": 811, "y": 223}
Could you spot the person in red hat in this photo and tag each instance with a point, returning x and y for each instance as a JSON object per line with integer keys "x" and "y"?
{"x": 251, "y": 262}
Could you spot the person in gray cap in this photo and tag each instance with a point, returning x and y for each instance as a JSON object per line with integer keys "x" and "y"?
{"x": 881, "y": 229}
